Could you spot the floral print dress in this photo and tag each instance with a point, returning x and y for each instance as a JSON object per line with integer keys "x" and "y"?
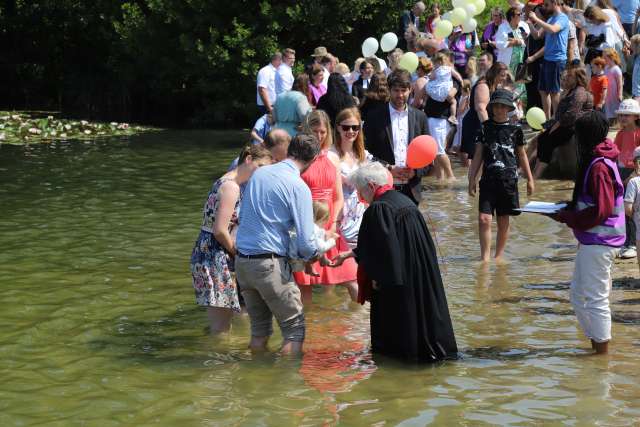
{"x": 211, "y": 265}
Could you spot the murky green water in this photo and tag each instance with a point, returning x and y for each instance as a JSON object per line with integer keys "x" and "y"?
{"x": 99, "y": 326}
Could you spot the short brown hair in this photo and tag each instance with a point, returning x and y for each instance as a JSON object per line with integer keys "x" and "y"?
{"x": 256, "y": 151}
{"x": 599, "y": 61}
{"x": 399, "y": 78}
{"x": 288, "y": 51}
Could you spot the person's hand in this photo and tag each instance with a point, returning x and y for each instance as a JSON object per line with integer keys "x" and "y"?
{"x": 308, "y": 269}
{"x": 529, "y": 59}
{"x": 340, "y": 258}
{"x": 472, "y": 189}
{"x": 325, "y": 262}
{"x": 409, "y": 173}
{"x": 531, "y": 187}
{"x": 533, "y": 17}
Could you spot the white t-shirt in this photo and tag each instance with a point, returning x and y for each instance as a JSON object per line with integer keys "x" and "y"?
{"x": 632, "y": 195}
{"x": 284, "y": 79}
{"x": 267, "y": 79}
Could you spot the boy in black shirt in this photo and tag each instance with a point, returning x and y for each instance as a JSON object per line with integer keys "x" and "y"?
{"x": 499, "y": 149}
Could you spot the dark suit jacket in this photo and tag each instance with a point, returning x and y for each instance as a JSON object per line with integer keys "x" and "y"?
{"x": 357, "y": 90}
{"x": 378, "y": 136}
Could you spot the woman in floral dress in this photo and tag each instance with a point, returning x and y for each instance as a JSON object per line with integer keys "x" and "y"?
{"x": 213, "y": 252}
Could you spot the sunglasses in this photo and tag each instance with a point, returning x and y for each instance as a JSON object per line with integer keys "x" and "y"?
{"x": 347, "y": 128}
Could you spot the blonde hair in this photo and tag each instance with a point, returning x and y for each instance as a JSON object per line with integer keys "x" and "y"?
{"x": 466, "y": 87}
{"x": 342, "y": 68}
{"x": 472, "y": 67}
{"x": 358, "y": 144}
{"x": 441, "y": 59}
{"x": 635, "y": 44}
{"x": 319, "y": 118}
{"x": 613, "y": 56}
{"x": 320, "y": 212}
{"x": 594, "y": 13}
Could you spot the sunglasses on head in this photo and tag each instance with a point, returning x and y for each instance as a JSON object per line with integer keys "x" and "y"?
{"x": 353, "y": 128}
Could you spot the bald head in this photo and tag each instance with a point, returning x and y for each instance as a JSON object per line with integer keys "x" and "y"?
{"x": 277, "y": 142}
{"x": 419, "y": 8}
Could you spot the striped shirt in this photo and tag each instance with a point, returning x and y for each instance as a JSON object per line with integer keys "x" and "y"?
{"x": 275, "y": 201}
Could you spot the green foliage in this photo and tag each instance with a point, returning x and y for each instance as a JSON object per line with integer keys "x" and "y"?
{"x": 186, "y": 62}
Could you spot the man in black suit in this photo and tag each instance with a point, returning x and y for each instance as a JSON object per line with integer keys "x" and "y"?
{"x": 390, "y": 128}
{"x": 360, "y": 86}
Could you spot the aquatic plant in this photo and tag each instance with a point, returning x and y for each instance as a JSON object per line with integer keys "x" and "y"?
{"x": 23, "y": 128}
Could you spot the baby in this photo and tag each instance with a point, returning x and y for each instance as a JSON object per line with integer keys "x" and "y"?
{"x": 323, "y": 243}
{"x": 440, "y": 84}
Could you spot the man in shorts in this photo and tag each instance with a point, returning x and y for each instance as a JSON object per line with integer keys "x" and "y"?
{"x": 556, "y": 39}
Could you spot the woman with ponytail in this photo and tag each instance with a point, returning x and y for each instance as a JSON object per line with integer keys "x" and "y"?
{"x": 596, "y": 215}
{"x": 215, "y": 247}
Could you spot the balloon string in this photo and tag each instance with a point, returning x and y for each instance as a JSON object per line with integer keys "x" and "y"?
{"x": 439, "y": 250}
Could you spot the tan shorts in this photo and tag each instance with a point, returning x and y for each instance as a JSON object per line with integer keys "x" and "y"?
{"x": 269, "y": 290}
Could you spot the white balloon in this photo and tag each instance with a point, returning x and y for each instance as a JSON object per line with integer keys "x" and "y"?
{"x": 388, "y": 42}
{"x": 458, "y": 3}
{"x": 458, "y": 16}
{"x": 369, "y": 47}
{"x": 469, "y": 25}
{"x": 471, "y": 9}
{"x": 447, "y": 16}
{"x": 480, "y": 5}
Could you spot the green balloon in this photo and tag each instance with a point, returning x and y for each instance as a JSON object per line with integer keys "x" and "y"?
{"x": 409, "y": 62}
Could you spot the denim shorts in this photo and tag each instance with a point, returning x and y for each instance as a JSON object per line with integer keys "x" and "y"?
{"x": 550, "y": 71}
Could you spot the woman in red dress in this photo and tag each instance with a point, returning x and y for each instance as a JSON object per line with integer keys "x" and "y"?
{"x": 324, "y": 179}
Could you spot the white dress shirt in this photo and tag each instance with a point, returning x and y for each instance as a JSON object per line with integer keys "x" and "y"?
{"x": 284, "y": 79}
{"x": 400, "y": 133}
{"x": 325, "y": 76}
{"x": 267, "y": 79}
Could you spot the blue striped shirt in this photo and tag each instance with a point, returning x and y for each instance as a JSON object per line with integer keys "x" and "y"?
{"x": 275, "y": 201}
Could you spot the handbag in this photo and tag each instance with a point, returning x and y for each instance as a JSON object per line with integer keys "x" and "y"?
{"x": 522, "y": 73}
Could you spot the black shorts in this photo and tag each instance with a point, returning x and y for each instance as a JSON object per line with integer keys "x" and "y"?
{"x": 499, "y": 197}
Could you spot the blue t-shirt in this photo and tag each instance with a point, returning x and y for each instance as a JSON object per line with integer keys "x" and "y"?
{"x": 555, "y": 45}
{"x": 262, "y": 127}
{"x": 626, "y": 10}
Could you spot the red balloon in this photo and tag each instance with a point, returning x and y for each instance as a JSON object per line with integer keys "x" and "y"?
{"x": 421, "y": 152}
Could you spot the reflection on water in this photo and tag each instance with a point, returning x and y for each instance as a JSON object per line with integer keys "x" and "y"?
{"x": 99, "y": 326}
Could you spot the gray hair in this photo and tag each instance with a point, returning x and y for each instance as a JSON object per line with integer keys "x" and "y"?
{"x": 373, "y": 173}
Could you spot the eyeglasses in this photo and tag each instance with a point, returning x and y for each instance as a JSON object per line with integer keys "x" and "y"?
{"x": 352, "y": 128}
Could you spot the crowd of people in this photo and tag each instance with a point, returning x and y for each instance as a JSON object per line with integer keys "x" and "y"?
{"x": 325, "y": 195}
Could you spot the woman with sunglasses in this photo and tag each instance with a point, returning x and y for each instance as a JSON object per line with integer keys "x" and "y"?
{"x": 511, "y": 41}
{"x": 349, "y": 148}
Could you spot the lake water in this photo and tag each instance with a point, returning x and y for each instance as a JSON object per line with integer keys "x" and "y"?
{"x": 99, "y": 325}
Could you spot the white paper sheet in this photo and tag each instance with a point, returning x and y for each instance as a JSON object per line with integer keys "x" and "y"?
{"x": 542, "y": 207}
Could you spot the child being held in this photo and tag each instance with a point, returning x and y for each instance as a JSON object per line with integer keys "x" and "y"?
{"x": 440, "y": 85}
{"x": 499, "y": 150}
{"x": 599, "y": 83}
{"x": 323, "y": 242}
{"x": 632, "y": 197}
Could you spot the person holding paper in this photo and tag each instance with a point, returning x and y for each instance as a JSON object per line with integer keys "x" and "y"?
{"x": 596, "y": 215}
{"x": 499, "y": 150}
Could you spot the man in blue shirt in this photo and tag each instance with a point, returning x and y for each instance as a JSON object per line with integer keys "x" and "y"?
{"x": 627, "y": 10}
{"x": 556, "y": 39}
{"x": 275, "y": 201}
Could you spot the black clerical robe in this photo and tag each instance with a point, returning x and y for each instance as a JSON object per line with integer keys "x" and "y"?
{"x": 409, "y": 313}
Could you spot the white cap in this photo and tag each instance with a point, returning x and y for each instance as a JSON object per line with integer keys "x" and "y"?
{"x": 629, "y": 106}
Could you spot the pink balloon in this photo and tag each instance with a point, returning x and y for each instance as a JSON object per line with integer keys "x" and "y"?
{"x": 421, "y": 152}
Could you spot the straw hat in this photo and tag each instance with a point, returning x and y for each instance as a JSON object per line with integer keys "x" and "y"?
{"x": 320, "y": 51}
{"x": 629, "y": 106}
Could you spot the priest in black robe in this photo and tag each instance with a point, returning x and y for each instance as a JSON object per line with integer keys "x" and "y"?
{"x": 398, "y": 272}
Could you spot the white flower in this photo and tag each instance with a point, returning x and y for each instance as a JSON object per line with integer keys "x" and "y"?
{"x": 53, "y": 133}
{"x": 84, "y": 122}
{"x": 15, "y": 117}
{"x": 114, "y": 124}
{"x": 50, "y": 117}
{"x": 67, "y": 127}
{"x": 1, "y": 126}
{"x": 35, "y": 131}
{"x": 87, "y": 132}
{"x": 63, "y": 135}
{"x": 2, "y": 136}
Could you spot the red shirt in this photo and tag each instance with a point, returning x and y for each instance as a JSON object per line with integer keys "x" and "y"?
{"x": 627, "y": 141}
{"x": 597, "y": 85}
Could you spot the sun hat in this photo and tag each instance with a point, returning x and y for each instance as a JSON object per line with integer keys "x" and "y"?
{"x": 629, "y": 106}
{"x": 504, "y": 97}
{"x": 320, "y": 51}
{"x": 636, "y": 153}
